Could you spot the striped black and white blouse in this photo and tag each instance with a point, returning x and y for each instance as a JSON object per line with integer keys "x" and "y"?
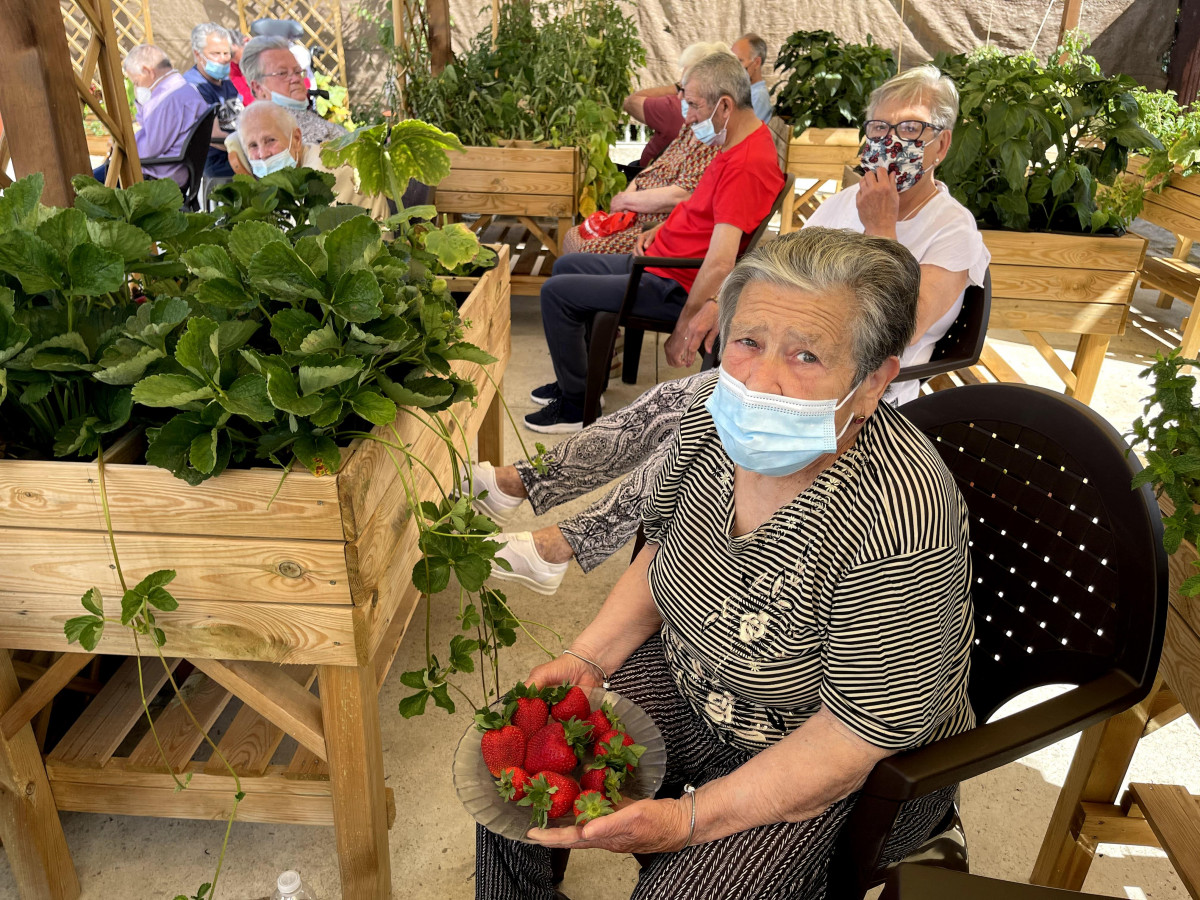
{"x": 855, "y": 595}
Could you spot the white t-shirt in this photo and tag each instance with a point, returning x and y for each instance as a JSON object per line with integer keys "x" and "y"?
{"x": 942, "y": 233}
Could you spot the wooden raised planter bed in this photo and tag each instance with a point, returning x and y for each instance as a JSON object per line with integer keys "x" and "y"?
{"x": 312, "y": 587}
{"x": 816, "y": 153}
{"x": 1079, "y": 285}
{"x": 522, "y": 182}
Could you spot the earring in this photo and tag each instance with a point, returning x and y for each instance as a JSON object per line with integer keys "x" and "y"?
{"x": 859, "y": 419}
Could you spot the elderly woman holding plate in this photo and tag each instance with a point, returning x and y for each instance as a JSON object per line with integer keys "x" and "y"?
{"x": 802, "y": 607}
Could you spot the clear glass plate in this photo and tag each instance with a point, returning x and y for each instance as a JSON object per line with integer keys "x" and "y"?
{"x": 476, "y": 787}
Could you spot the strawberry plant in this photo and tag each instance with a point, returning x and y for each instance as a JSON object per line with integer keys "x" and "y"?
{"x": 828, "y": 81}
{"x": 1168, "y": 433}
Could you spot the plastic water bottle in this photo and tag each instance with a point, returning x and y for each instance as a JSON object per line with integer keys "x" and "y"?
{"x": 288, "y": 886}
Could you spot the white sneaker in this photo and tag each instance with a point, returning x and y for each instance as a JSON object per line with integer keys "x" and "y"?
{"x": 497, "y": 505}
{"x": 528, "y": 567}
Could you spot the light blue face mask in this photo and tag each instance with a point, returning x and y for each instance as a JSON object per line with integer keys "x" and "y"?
{"x": 288, "y": 102}
{"x": 219, "y": 71}
{"x": 770, "y": 434}
{"x": 281, "y": 160}
{"x": 709, "y": 136}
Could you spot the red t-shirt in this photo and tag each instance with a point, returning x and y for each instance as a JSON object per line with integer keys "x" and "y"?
{"x": 664, "y": 116}
{"x": 738, "y": 188}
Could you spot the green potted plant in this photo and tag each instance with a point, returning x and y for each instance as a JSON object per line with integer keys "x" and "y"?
{"x": 822, "y": 99}
{"x": 1033, "y": 145}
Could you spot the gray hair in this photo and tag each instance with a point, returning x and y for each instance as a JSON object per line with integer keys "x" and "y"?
{"x": 758, "y": 47}
{"x": 251, "y": 55}
{"x": 720, "y": 75}
{"x": 881, "y": 274}
{"x": 273, "y": 112}
{"x": 146, "y": 55}
{"x": 920, "y": 84}
{"x": 201, "y": 32}
{"x": 693, "y": 53}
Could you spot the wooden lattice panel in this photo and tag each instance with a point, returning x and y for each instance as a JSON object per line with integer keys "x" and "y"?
{"x": 131, "y": 19}
{"x": 322, "y": 24}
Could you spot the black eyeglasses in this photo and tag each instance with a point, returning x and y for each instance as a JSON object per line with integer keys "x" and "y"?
{"x": 678, "y": 88}
{"x": 908, "y": 131}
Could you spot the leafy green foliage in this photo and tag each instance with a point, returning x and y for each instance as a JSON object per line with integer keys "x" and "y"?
{"x": 828, "y": 81}
{"x": 1178, "y": 130}
{"x": 1034, "y": 141}
{"x": 559, "y": 73}
{"x": 1168, "y": 431}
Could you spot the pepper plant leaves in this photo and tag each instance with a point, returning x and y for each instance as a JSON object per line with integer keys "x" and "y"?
{"x": 385, "y": 159}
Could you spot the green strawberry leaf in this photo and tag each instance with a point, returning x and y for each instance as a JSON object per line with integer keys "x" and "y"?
{"x": 247, "y": 238}
{"x": 351, "y": 246}
{"x": 276, "y": 270}
{"x": 170, "y": 390}
{"x": 373, "y": 406}
{"x": 247, "y": 396}
{"x": 357, "y": 296}
{"x": 318, "y": 453}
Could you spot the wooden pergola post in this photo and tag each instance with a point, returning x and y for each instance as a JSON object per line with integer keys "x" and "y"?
{"x": 39, "y": 101}
{"x": 1183, "y": 75}
{"x": 437, "y": 13}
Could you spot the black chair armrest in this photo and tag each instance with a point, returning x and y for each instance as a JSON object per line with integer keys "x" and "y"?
{"x": 918, "y": 772}
{"x": 158, "y": 160}
{"x": 667, "y": 262}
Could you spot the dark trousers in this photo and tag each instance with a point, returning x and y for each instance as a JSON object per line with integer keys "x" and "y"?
{"x": 581, "y": 285}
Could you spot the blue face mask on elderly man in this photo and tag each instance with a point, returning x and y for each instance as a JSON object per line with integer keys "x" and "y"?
{"x": 770, "y": 434}
{"x": 706, "y": 134}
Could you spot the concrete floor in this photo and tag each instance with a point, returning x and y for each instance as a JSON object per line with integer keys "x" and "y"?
{"x": 432, "y": 841}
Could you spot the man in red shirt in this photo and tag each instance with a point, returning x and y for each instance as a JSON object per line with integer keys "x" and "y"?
{"x": 734, "y": 195}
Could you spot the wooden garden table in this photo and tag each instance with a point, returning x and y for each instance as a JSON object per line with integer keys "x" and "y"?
{"x": 312, "y": 587}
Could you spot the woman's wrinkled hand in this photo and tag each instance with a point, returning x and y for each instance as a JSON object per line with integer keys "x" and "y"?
{"x": 644, "y": 826}
{"x": 878, "y": 203}
{"x": 618, "y": 202}
{"x": 698, "y": 331}
{"x": 567, "y": 668}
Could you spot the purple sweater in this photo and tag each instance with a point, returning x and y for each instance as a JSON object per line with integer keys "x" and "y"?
{"x": 173, "y": 108}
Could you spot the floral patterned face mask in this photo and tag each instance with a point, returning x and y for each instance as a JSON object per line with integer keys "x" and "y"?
{"x": 905, "y": 160}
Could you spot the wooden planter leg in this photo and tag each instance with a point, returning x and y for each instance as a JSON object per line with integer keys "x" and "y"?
{"x": 350, "y": 711}
{"x": 29, "y": 824}
{"x": 1096, "y": 774}
{"x": 491, "y": 431}
{"x": 1089, "y": 355}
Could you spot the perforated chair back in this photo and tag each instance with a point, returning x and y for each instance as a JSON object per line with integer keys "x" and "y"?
{"x": 1069, "y": 569}
{"x": 963, "y": 341}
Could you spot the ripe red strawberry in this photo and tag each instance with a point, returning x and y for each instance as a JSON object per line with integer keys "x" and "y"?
{"x": 591, "y": 805}
{"x": 503, "y": 747}
{"x": 531, "y": 712}
{"x": 512, "y": 783}
{"x": 570, "y": 702}
{"x": 604, "y": 720}
{"x": 550, "y": 795}
{"x": 616, "y": 748}
{"x": 556, "y": 747}
{"x": 593, "y": 779}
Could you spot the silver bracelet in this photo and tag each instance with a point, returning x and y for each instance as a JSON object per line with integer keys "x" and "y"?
{"x": 594, "y": 665}
{"x": 688, "y": 789}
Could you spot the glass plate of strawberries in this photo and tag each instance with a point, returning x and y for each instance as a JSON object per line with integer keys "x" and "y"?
{"x": 556, "y": 756}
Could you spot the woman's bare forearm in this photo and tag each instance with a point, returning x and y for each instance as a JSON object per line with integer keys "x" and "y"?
{"x": 626, "y": 620}
{"x": 655, "y": 200}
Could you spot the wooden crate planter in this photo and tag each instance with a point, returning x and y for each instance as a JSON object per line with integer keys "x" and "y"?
{"x": 1060, "y": 284}
{"x": 312, "y": 586}
{"x": 817, "y": 153}
{"x": 523, "y": 181}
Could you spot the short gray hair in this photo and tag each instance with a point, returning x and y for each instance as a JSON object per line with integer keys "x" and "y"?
{"x": 880, "y": 273}
{"x": 266, "y": 109}
{"x": 720, "y": 75}
{"x": 251, "y": 55}
{"x": 201, "y": 32}
{"x": 146, "y": 55}
{"x": 693, "y": 53}
{"x": 920, "y": 84}
{"x": 758, "y": 47}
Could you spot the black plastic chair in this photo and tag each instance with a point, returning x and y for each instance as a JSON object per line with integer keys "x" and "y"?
{"x": 603, "y": 338}
{"x": 962, "y": 343}
{"x": 193, "y": 155}
{"x": 1070, "y": 587}
{"x": 914, "y": 882}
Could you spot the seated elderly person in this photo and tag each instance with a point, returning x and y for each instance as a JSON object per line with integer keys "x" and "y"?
{"x": 274, "y": 75}
{"x": 167, "y": 109}
{"x": 733, "y": 196}
{"x": 751, "y": 51}
{"x": 271, "y": 139}
{"x": 662, "y": 107}
{"x": 656, "y": 190}
{"x": 908, "y": 204}
{"x": 802, "y": 608}
{"x": 212, "y": 51}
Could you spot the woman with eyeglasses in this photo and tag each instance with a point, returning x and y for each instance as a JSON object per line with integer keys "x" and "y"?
{"x": 275, "y": 75}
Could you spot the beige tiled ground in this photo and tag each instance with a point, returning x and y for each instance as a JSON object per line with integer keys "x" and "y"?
{"x": 432, "y": 842}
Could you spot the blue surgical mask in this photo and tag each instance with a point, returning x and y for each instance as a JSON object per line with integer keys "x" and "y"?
{"x": 281, "y": 160}
{"x": 219, "y": 71}
{"x": 770, "y": 434}
{"x": 287, "y": 102}
{"x": 706, "y": 134}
